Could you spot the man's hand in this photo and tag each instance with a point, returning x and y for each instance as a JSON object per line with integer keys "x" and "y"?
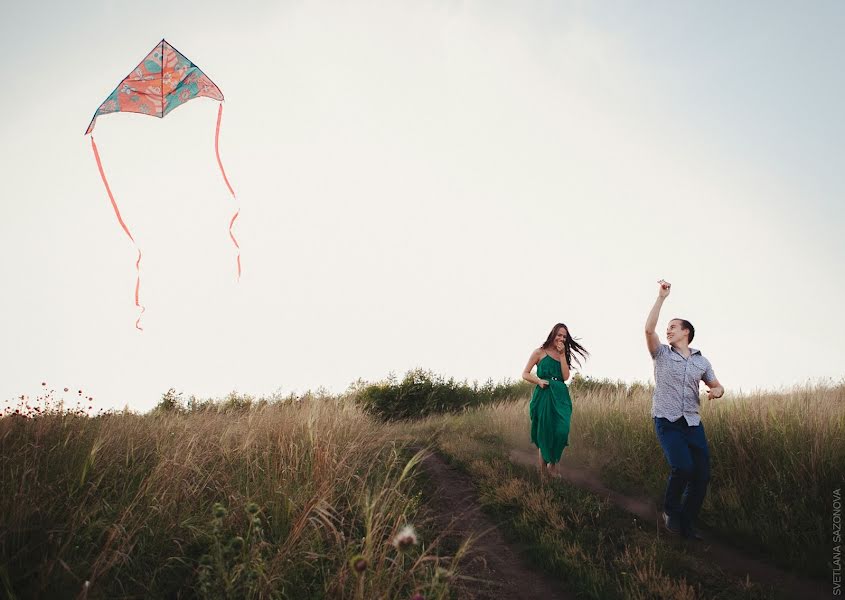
{"x": 665, "y": 288}
{"x": 715, "y": 393}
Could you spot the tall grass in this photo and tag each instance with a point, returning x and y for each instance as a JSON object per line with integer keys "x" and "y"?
{"x": 304, "y": 498}
{"x": 298, "y": 500}
{"x": 595, "y": 548}
{"x": 776, "y": 459}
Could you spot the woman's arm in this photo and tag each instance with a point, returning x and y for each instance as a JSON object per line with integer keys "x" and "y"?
{"x": 564, "y": 366}
{"x": 530, "y": 377}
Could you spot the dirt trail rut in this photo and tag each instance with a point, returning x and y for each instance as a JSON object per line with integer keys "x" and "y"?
{"x": 495, "y": 569}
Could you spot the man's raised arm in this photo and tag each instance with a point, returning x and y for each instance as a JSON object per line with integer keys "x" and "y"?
{"x": 651, "y": 339}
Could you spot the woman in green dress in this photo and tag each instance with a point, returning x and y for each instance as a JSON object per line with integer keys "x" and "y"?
{"x": 551, "y": 407}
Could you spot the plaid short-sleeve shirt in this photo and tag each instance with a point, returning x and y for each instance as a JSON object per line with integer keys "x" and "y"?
{"x": 676, "y": 383}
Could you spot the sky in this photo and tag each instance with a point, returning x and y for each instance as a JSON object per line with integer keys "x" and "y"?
{"x": 426, "y": 184}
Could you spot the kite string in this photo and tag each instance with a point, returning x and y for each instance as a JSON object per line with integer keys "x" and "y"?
{"x": 228, "y": 185}
{"x": 126, "y": 229}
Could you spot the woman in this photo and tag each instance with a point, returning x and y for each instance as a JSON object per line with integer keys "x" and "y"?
{"x": 551, "y": 407}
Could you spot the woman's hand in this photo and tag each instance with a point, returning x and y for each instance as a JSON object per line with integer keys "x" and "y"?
{"x": 543, "y": 383}
{"x": 560, "y": 347}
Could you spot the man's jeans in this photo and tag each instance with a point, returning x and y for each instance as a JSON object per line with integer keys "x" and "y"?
{"x": 686, "y": 450}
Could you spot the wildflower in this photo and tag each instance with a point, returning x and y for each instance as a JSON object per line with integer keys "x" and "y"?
{"x": 358, "y": 564}
{"x": 251, "y": 508}
{"x": 219, "y": 511}
{"x": 44, "y": 383}
{"x": 406, "y": 538}
{"x": 65, "y": 389}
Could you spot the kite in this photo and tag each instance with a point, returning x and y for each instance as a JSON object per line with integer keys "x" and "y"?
{"x": 163, "y": 81}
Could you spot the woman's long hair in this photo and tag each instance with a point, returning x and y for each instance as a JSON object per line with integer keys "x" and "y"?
{"x": 570, "y": 346}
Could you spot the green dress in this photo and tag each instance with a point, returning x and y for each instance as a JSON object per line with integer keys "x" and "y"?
{"x": 550, "y": 410}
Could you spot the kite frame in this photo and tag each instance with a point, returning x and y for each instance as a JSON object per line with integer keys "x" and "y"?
{"x": 91, "y": 124}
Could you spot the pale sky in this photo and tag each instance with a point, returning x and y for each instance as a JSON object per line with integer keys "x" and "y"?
{"x": 422, "y": 184}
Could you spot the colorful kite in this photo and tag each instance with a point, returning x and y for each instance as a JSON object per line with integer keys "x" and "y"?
{"x": 163, "y": 81}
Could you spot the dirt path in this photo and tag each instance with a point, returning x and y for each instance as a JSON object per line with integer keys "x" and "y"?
{"x": 728, "y": 559}
{"x": 495, "y": 569}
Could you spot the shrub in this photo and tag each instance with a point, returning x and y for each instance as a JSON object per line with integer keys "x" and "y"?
{"x": 421, "y": 393}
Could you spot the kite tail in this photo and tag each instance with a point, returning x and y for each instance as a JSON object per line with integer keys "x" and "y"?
{"x": 126, "y": 229}
{"x": 228, "y": 185}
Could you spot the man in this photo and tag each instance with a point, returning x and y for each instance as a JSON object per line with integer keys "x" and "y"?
{"x": 677, "y": 372}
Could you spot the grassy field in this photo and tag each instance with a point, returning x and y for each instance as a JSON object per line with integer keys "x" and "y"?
{"x": 295, "y": 500}
{"x": 304, "y": 498}
{"x": 596, "y": 549}
{"x": 777, "y": 459}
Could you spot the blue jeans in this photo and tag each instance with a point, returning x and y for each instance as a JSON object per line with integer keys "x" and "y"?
{"x": 686, "y": 451}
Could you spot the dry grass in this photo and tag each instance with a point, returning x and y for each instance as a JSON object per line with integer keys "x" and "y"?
{"x": 777, "y": 458}
{"x": 280, "y": 500}
{"x": 596, "y": 549}
{"x": 273, "y": 502}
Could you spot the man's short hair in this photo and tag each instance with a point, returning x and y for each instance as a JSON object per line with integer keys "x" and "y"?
{"x": 687, "y": 325}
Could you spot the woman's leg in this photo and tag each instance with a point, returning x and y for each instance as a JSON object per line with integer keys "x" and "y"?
{"x": 542, "y": 464}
